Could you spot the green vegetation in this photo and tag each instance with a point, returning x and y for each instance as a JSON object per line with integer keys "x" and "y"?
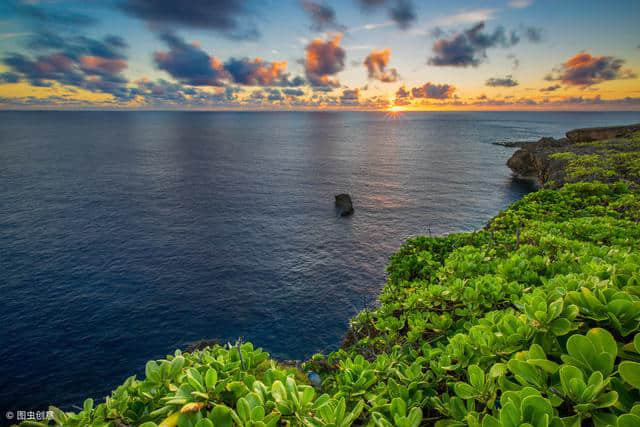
{"x": 532, "y": 321}
{"x": 605, "y": 161}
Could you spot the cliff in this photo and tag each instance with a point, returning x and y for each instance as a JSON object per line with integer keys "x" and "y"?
{"x": 604, "y": 154}
{"x": 597, "y": 134}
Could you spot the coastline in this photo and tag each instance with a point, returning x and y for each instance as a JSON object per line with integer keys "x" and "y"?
{"x": 604, "y": 154}
{"x": 465, "y": 320}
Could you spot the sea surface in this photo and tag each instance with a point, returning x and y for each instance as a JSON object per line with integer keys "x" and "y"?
{"x": 126, "y": 235}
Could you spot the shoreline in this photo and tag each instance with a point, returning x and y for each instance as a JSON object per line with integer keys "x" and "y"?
{"x": 467, "y": 318}
{"x": 551, "y": 161}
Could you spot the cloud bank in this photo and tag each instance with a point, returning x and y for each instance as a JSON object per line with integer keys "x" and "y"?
{"x": 427, "y": 91}
{"x": 191, "y": 65}
{"x": 83, "y": 62}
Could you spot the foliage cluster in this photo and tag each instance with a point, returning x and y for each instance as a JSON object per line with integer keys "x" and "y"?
{"x": 605, "y": 161}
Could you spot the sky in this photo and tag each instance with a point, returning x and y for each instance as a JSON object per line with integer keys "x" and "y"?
{"x": 320, "y": 54}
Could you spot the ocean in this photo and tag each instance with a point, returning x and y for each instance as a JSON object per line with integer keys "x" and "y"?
{"x": 126, "y": 235}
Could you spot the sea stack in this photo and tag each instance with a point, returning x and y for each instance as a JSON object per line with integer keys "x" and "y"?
{"x": 344, "y": 205}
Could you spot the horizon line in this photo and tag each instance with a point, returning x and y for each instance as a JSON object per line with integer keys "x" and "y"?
{"x": 331, "y": 110}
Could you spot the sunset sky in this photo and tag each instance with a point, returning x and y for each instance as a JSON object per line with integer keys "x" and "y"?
{"x": 315, "y": 54}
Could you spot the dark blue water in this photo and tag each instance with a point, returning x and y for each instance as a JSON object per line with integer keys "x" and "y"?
{"x": 126, "y": 235}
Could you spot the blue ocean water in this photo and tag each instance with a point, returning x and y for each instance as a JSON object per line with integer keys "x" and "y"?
{"x": 125, "y": 235}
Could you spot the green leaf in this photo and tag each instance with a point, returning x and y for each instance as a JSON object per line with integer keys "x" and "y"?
{"x": 604, "y": 419}
{"x": 509, "y": 415}
{"x": 606, "y": 400}
{"x": 525, "y": 372}
{"x": 278, "y": 391}
{"x": 415, "y": 417}
{"x": 176, "y": 366}
{"x": 341, "y": 409}
{"x": 628, "y": 420}
{"x": 595, "y": 352}
{"x": 253, "y": 399}
{"x": 321, "y": 402}
{"x": 498, "y": 370}
{"x": 398, "y": 407}
{"x": 489, "y": 421}
{"x": 221, "y": 416}
{"x": 568, "y": 375}
{"x": 555, "y": 308}
{"x": 211, "y": 378}
{"x": 560, "y": 326}
{"x": 534, "y": 408}
{"x": 257, "y": 413}
{"x": 194, "y": 378}
{"x": 244, "y": 409}
{"x": 164, "y": 410}
{"x": 87, "y": 406}
{"x": 58, "y": 416}
{"x": 630, "y": 372}
{"x": 603, "y": 340}
{"x": 536, "y": 352}
{"x": 271, "y": 420}
{"x": 545, "y": 365}
{"x": 152, "y": 371}
{"x": 476, "y": 376}
{"x": 308, "y": 394}
{"x": 238, "y": 388}
{"x": 464, "y": 390}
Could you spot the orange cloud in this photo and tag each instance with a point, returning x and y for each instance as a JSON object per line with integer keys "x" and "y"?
{"x": 323, "y": 60}
{"x": 100, "y": 65}
{"x": 376, "y": 63}
{"x": 583, "y": 69}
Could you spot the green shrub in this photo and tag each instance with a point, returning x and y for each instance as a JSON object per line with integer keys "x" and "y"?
{"x": 606, "y": 161}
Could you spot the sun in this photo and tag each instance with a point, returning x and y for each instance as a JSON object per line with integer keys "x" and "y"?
{"x": 395, "y": 109}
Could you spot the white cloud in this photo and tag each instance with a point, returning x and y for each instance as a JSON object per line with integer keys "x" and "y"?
{"x": 358, "y": 47}
{"x": 465, "y": 17}
{"x": 370, "y": 27}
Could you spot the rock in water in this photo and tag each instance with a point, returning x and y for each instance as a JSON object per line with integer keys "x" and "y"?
{"x": 344, "y": 205}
